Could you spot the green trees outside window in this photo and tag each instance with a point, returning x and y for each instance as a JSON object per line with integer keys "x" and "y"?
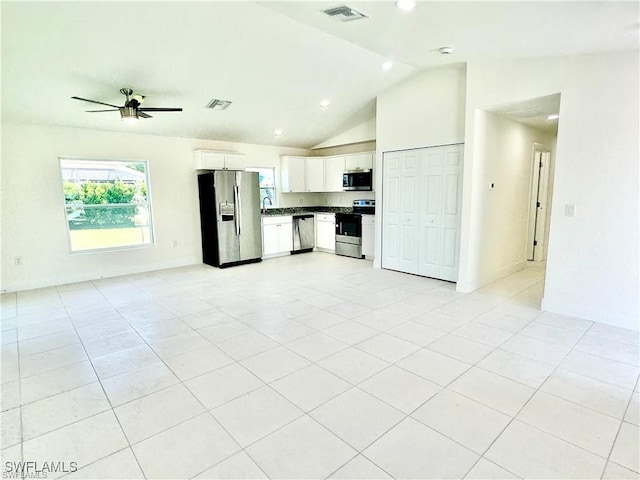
{"x": 107, "y": 203}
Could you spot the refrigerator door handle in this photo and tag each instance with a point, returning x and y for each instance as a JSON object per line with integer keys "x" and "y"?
{"x": 238, "y": 207}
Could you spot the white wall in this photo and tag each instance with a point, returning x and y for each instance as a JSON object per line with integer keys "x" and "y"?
{"x": 33, "y": 218}
{"x": 593, "y": 258}
{"x": 503, "y": 155}
{"x": 426, "y": 110}
{"x": 364, "y": 132}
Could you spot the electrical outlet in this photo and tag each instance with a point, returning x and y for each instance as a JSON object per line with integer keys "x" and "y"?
{"x": 570, "y": 210}
{"x": 301, "y": 201}
{"x": 17, "y": 260}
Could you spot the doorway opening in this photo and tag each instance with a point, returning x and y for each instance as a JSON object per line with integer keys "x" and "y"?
{"x": 518, "y": 150}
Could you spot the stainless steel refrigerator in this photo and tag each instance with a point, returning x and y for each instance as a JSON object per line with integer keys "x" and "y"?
{"x": 230, "y": 217}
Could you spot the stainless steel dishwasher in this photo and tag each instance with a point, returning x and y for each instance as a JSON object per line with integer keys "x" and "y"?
{"x": 303, "y": 233}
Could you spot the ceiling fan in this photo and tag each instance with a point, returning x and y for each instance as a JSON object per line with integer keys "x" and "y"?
{"x": 131, "y": 110}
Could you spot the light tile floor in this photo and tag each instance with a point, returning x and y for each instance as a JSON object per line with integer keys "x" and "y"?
{"x": 313, "y": 366}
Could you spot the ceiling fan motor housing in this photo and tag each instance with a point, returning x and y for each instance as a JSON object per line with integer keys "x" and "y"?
{"x": 129, "y": 112}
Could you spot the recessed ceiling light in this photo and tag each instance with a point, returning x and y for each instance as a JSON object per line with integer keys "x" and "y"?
{"x": 553, "y": 116}
{"x": 406, "y": 5}
{"x": 325, "y": 103}
{"x": 445, "y": 50}
{"x": 278, "y": 132}
{"x": 387, "y": 65}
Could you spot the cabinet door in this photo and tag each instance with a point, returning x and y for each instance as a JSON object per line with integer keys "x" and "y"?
{"x": 368, "y": 235}
{"x": 359, "y": 161}
{"x": 315, "y": 174}
{"x": 234, "y": 161}
{"x": 351, "y": 161}
{"x": 209, "y": 160}
{"x": 326, "y": 232}
{"x": 293, "y": 174}
{"x": 365, "y": 161}
{"x": 285, "y": 237}
{"x": 333, "y": 170}
{"x": 270, "y": 239}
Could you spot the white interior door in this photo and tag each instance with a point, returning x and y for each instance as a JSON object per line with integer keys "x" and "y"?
{"x": 440, "y": 209}
{"x": 538, "y": 205}
{"x": 533, "y": 202}
{"x": 431, "y": 212}
{"x": 540, "y": 240}
{"x": 451, "y": 212}
{"x": 400, "y": 211}
{"x": 421, "y": 211}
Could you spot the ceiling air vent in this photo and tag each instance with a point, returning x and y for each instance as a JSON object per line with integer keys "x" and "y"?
{"x": 217, "y": 104}
{"x": 344, "y": 13}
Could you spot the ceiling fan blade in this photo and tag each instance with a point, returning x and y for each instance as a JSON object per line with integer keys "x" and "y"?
{"x": 143, "y": 115}
{"x": 95, "y": 101}
{"x": 159, "y": 109}
{"x": 110, "y": 110}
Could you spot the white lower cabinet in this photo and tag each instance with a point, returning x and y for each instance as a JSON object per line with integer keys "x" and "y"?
{"x": 326, "y": 231}
{"x": 368, "y": 235}
{"x": 277, "y": 235}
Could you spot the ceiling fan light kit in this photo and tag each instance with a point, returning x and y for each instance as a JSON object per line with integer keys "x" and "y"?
{"x": 128, "y": 114}
{"x": 131, "y": 111}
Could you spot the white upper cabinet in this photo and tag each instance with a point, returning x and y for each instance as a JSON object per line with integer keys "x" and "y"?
{"x": 214, "y": 160}
{"x": 293, "y": 173}
{"x": 320, "y": 174}
{"x": 333, "y": 170}
{"x": 359, "y": 161}
{"x": 315, "y": 174}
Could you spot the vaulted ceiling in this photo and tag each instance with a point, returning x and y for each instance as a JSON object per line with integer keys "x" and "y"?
{"x": 276, "y": 61}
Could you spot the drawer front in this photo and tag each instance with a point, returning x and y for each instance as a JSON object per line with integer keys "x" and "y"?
{"x": 368, "y": 220}
{"x": 269, "y": 220}
{"x": 323, "y": 217}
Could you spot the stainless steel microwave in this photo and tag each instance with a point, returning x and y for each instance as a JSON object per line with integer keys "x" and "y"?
{"x": 357, "y": 180}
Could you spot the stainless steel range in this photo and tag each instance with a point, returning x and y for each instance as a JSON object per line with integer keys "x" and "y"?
{"x": 349, "y": 228}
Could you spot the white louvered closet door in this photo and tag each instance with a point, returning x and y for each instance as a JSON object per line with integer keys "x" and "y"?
{"x": 422, "y": 192}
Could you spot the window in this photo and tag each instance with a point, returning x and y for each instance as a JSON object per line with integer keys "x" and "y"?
{"x": 107, "y": 204}
{"x": 267, "y": 185}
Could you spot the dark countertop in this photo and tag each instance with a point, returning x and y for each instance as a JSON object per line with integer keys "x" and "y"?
{"x": 301, "y": 210}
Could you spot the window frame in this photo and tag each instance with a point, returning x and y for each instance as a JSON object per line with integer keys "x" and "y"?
{"x": 148, "y": 204}
{"x": 274, "y": 187}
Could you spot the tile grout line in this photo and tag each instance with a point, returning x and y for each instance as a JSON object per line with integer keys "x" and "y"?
{"x": 238, "y": 361}
{"x": 615, "y": 439}
{"x": 104, "y": 392}
{"x": 533, "y": 426}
